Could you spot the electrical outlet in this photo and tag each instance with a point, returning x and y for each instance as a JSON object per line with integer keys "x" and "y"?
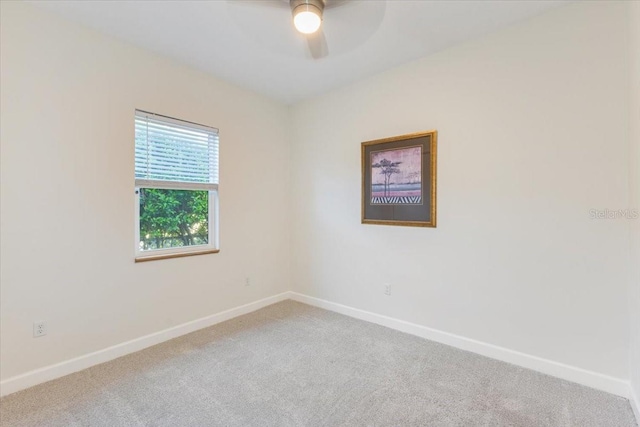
{"x": 39, "y": 329}
{"x": 387, "y": 289}
{"x": 247, "y": 281}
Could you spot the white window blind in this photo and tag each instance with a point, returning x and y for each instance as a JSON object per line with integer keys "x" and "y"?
{"x": 175, "y": 154}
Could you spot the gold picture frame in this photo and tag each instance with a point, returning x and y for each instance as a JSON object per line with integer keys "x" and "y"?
{"x": 399, "y": 177}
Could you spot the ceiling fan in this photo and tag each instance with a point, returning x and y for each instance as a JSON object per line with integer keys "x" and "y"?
{"x": 307, "y": 19}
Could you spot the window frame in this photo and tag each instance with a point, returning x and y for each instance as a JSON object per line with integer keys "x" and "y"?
{"x": 213, "y": 244}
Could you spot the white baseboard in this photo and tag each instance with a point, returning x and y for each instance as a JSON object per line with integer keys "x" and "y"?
{"x": 634, "y": 399}
{"x": 48, "y": 373}
{"x": 595, "y": 380}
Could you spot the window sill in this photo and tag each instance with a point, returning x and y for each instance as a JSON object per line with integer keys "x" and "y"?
{"x": 175, "y": 255}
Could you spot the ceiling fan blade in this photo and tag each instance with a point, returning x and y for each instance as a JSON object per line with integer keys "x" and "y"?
{"x": 317, "y": 43}
{"x": 330, "y": 4}
{"x": 271, "y": 4}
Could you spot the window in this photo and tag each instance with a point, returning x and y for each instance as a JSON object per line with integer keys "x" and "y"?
{"x": 176, "y": 194}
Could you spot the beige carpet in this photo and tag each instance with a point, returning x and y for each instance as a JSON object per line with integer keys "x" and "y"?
{"x": 294, "y": 365}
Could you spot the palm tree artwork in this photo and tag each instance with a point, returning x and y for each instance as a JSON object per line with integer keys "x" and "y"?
{"x": 396, "y": 176}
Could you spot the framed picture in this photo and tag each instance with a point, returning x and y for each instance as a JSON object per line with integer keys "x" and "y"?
{"x": 399, "y": 180}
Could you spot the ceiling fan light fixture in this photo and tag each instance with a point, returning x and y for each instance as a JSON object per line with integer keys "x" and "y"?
{"x": 307, "y": 15}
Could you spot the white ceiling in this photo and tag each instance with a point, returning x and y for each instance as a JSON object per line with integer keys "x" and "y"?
{"x": 257, "y": 47}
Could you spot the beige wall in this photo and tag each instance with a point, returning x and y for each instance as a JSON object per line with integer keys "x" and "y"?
{"x": 532, "y": 126}
{"x": 68, "y": 98}
{"x": 634, "y": 117}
